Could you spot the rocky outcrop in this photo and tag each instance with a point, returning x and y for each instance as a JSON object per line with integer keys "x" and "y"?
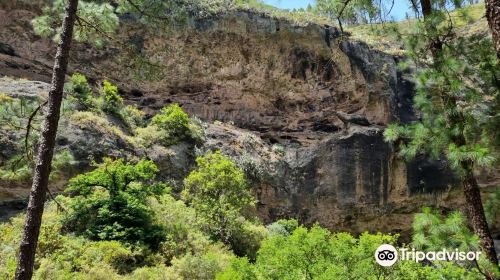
{"x": 304, "y": 111}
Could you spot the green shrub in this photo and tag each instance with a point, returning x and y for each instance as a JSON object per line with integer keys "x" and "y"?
{"x": 202, "y": 266}
{"x": 182, "y": 230}
{"x": 319, "y": 254}
{"x": 238, "y": 269}
{"x": 79, "y": 88}
{"x": 149, "y": 135}
{"x": 218, "y": 191}
{"x": 96, "y": 122}
{"x": 110, "y": 203}
{"x": 282, "y": 227}
{"x": 169, "y": 127}
{"x": 16, "y": 169}
{"x": 132, "y": 117}
{"x": 158, "y": 272}
{"x": 174, "y": 122}
{"x": 112, "y": 102}
{"x": 246, "y": 238}
{"x": 172, "y": 119}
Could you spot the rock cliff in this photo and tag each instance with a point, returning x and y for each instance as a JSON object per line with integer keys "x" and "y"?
{"x": 299, "y": 107}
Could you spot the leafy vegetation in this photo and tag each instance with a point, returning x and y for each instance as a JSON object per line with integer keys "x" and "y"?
{"x": 111, "y": 99}
{"x": 457, "y": 85}
{"x": 78, "y": 88}
{"x": 169, "y": 127}
{"x": 188, "y": 253}
{"x": 110, "y": 203}
{"x": 218, "y": 191}
{"x": 468, "y": 20}
{"x": 319, "y": 254}
{"x": 120, "y": 222}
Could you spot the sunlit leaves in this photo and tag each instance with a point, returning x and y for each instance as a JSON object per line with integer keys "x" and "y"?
{"x": 218, "y": 191}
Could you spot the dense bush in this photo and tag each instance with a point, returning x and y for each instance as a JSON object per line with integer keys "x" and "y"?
{"x": 218, "y": 191}
{"x": 132, "y": 117}
{"x": 282, "y": 227}
{"x": 78, "y": 88}
{"x": 173, "y": 120}
{"x": 110, "y": 203}
{"x": 319, "y": 254}
{"x": 169, "y": 127}
{"x": 111, "y": 100}
{"x": 300, "y": 254}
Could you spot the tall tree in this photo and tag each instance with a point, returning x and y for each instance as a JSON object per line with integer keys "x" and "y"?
{"x": 96, "y": 20}
{"x": 45, "y": 152}
{"x": 471, "y": 188}
{"x": 451, "y": 92}
{"x": 493, "y": 16}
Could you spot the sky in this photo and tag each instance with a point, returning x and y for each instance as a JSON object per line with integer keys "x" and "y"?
{"x": 398, "y": 11}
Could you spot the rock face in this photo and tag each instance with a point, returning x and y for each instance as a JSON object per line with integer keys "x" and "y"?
{"x": 307, "y": 110}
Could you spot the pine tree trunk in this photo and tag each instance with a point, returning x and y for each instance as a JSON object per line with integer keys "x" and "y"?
{"x": 493, "y": 16}
{"x": 476, "y": 211}
{"x": 36, "y": 203}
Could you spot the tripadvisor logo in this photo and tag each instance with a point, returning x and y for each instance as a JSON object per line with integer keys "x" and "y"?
{"x": 387, "y": 255}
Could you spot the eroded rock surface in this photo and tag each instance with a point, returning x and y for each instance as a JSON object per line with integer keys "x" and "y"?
{"x": 307, "y": 111}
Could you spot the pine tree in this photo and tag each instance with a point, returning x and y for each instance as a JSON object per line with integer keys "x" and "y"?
{"x": 458, "y": 74}
{"x": 46, "y": 149}
{"x": 95, "y": 20}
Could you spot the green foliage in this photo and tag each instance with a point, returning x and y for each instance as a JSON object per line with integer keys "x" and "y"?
{"x": 79, "y": 88}
{"x": 182, "y": 229}
{"x": 96, "y": 122}
{"x": 19, "y": 169}
{"x": 112, "y": 102}
{"x": 300, "y": 254}
{"x": 319, "y": 254}
{"x": 14, "y": 113}
{"x": 282, "y": 227}
{"x": 239, "y": 269}
{"x": 151, "y": 134}
{"x": 16, "y": 168}
{"x": 91, "y": 15}
{"x": 246, "y": 238}
{"x": 457, "y": 96}
{"x": 218, "y": 191}
{"x": 132, "y": 116}
{"x": 202, "y": 265}
{"x": 353, "y": 12}
{"x": 110, "y": 203}
{"x": 169, "y": 127}
{"x": 160, "y": 14}
{"x": 432, "y": 231}
{"x": 173, "y": 120}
